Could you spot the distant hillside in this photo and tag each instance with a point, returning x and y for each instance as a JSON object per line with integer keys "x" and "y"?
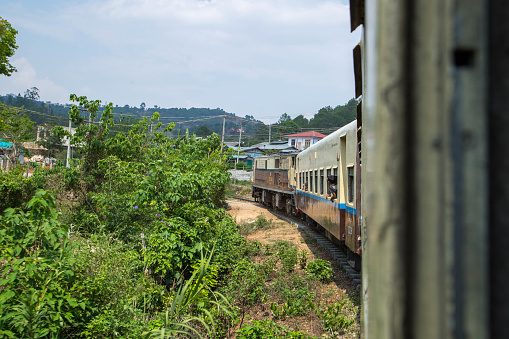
{"x": 202, "y": 121}
{"x": 325, "y": 121}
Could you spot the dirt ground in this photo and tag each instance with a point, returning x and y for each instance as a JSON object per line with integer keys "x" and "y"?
{"x": 337, "y": 290}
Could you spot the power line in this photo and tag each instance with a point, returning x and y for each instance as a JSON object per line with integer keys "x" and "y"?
{"x": 235, "y": 118}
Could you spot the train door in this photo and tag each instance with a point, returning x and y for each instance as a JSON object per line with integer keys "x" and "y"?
{"x": 342, "y": 186}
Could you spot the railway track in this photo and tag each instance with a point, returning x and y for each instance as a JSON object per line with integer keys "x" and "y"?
{"x": 325, "y": 243}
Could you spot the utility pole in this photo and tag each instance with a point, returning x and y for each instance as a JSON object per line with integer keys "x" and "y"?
{"x": 238, "y": 153}
{"x": 69, "y": 144}
{"x": 222, "y": 137}
{"x": 238, "y": 149}
{"x": 269, "y": 133}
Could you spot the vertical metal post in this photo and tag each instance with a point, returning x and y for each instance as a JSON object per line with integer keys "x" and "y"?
{"x": 222, "y": 136}
{"x": 269, "y": 132}
{"x": 425, "y": 196}
{"x": 69, "y": 146}
{"x": 238, "y": 153}
{"x": 498, "y": 122}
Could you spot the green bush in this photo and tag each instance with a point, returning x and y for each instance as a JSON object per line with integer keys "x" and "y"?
{"x": 303, "y": 259}
{"x": 118, "y": 295}
{"x": 288, "y": 255}
{"x": 320, "y": 269}
{"x": 295, "y": 291}
{"x": 36, "y": 273}
{"x": 246, "y": 283}
{"x": 267, "y": 329}
{"x": 15, "y": 190}
{"x": 333, "y": 318}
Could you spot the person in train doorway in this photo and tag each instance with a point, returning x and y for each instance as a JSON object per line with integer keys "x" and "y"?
{"x": 331, "y": 188}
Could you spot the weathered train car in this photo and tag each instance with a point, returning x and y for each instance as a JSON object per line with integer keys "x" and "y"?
{"x": 275, "y": 181}
{"x": 335, "y": 155}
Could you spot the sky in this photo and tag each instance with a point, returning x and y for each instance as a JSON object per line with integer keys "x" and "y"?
{"x": 249, "y": 57}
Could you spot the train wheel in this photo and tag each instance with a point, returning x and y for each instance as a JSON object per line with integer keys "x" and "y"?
{"x": 288, "y": 207}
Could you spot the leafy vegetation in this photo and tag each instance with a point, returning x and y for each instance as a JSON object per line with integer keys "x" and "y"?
{"x": 7, "y": 47}
{"x": 267, "y": 329}
{"x": 139, "y": 211}
{"x": 133, "y": 241}
{"x": 334, "y": 318}
{"x": 321, "y": 269}
{"x": 15, "y": 128}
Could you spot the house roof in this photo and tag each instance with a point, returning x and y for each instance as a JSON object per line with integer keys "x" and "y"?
{"x": 307, "y": 134}
{"x": 272, "y": 145}
{"x": 231, "y": 144}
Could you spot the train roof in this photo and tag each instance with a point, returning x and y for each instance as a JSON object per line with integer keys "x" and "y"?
{"x": 336, "y": 134}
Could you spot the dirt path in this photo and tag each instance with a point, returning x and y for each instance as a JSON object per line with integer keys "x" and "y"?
{"x": 337, "y": 290}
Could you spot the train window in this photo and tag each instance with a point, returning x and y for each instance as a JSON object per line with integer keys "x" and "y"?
{"x": 277, "y": 164}
{"x": 300, "y": 181}
{"x": 321, "y": 182}
{"x": 311, "y": 181}
{"x": 350, "y": 184}
{"x": 293, "y": 161}
{"x": 316, "y": 181}
{"x": 328, "y": 173}
{"x": 335, "y": 172}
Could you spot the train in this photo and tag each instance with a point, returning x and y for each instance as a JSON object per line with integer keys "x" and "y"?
{"x": 321, "y": 185}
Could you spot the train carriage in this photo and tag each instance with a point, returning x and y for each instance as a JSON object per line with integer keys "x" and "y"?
{"x": 335, "y": 155}
{"x": 275, "y": 181}
{"x": 297, "y": 183}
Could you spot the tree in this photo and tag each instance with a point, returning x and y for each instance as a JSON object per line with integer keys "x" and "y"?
{"x": 301, "y": 121}
{"x": 15, "y": 128}
{"x": 52, "y": 140}
{"x": 32, "y": 93}
{"x": 142, "y": 106}
{"x": 90, "y": 137}
{"x": 203, "y": 131}
{"x": 284, "y": 117}
{"x": 7, "y": 47}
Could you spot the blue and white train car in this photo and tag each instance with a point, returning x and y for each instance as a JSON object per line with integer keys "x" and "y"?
{"x": 334, "y": 155}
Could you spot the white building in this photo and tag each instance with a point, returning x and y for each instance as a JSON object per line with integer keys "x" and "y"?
{"x": 304, "y": 140}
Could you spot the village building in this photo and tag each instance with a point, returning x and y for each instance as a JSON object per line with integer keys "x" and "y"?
{"x": 303, "y": 140}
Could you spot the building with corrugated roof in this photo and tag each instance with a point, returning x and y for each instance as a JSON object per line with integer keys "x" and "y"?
{"x": 305, "y": 139}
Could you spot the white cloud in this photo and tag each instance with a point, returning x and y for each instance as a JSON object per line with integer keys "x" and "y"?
{"x": 26, "y": 77}
{"x": 246, "y": 56}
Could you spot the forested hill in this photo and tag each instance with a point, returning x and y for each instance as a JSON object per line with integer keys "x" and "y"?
{"x": 327, "y": 120}
{"x": 202, "y": 121}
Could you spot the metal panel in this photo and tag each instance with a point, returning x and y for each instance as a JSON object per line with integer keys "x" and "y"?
{"x": 425, "y": 251}
{"x": 357, "y": 69}
{"x": 499, "y": 167}
{"x": 356, "y": 13}
{"x": 326, "y": 213}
